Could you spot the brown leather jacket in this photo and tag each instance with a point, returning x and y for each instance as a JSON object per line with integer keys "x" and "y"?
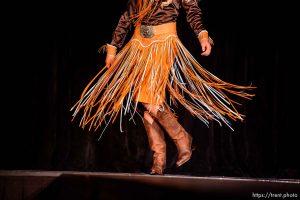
{"x": 160, "y": 15}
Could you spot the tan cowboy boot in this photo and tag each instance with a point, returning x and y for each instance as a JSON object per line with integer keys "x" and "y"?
{"x": 158, "y": 146}
{"x": 182, "y": 139}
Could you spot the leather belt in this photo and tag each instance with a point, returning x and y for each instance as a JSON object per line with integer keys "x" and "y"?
{"x": 148, "y": 31}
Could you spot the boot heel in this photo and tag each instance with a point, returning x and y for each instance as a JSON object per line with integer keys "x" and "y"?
{"x": 194, "y": 148}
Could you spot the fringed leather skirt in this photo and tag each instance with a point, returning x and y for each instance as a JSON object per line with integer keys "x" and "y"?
{"x": 152, "y": 64}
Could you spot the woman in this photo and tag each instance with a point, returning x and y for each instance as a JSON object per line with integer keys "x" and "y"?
{"x": 151, "y": 65}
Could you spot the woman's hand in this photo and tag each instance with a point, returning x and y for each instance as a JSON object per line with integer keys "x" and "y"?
{"x": 205, "y": 42}
{"x": 110, "y": 55}
{"x": 206, "y": 47}
{"x": 109, "y": 60}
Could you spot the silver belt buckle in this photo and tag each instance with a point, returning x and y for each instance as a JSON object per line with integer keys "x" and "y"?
{"x": 147, "y": 31}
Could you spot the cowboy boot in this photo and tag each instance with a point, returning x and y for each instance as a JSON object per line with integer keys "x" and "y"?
{"x": 178, "y": 134}
{"x": 157, "y": 145}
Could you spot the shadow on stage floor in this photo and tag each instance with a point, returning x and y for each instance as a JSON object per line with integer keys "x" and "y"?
{"x": 68, "y": 185}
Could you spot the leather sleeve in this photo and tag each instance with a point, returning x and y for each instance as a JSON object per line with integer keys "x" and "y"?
{"x": 124, "y": 25}
{"x": 193, "y": 15}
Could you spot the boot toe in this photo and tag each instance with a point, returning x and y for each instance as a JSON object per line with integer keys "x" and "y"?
{"x": 183, "y": 159}
{"x": 156, "y": 171}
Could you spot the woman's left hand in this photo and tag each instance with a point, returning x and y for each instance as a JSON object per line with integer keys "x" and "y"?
{"x": 206, "y": 47}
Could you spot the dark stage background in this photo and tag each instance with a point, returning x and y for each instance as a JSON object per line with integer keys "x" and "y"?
{"x": 53, "y": 55}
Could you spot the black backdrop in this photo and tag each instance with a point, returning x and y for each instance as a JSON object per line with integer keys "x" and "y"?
{"x": 53, "y": 55}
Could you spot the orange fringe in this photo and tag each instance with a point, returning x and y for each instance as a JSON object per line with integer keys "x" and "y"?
{"x": 144, "y": 70}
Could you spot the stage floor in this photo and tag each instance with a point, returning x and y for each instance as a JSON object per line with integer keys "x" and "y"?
{"x": 102, "y": 185}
